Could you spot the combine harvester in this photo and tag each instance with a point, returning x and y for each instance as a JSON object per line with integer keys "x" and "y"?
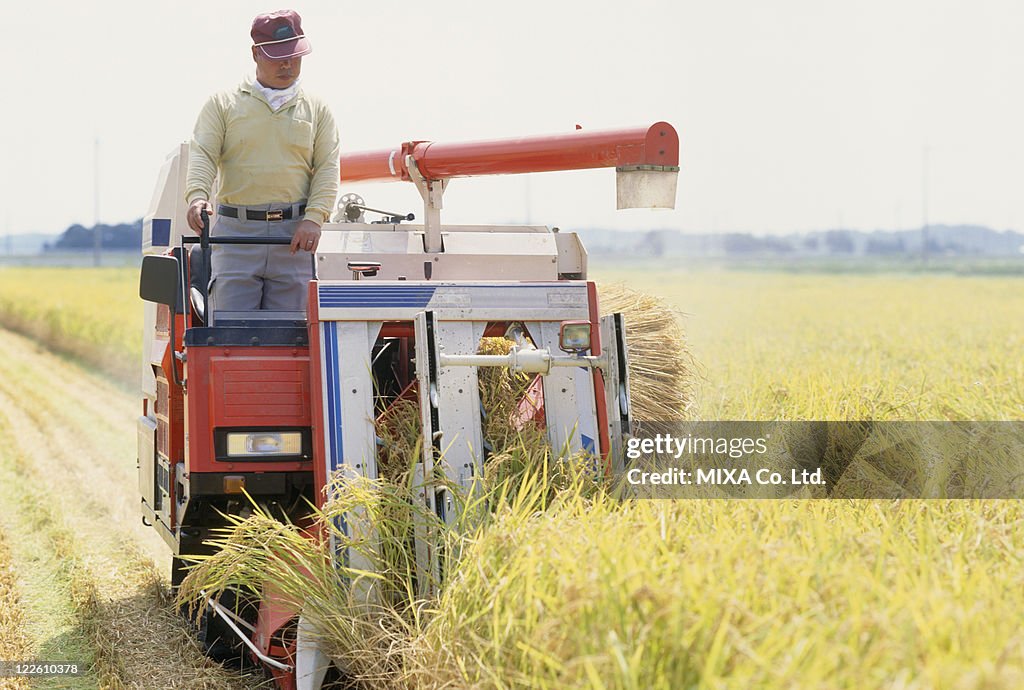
{"x": 273, "y": 404}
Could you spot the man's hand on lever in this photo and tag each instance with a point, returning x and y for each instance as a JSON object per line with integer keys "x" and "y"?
{"x": 194, "y": 215}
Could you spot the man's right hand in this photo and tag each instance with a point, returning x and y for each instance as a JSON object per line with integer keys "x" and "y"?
{"x": 195, "y": 220}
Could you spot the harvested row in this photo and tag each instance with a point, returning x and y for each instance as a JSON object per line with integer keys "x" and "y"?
{"x": 13, "y": 637}
{"x": 54, "y": 599}
{"x": 83, "y": 564}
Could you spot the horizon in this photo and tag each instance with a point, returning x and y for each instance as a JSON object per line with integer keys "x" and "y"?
{"x": 683, "y": 231}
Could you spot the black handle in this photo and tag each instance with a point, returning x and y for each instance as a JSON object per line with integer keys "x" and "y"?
{"x": 237, "y": 240}
{"x": 204, "y": 237}
{"x": 204, "y": 247}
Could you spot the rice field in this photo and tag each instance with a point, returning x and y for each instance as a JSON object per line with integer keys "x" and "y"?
{"x": 94, "y": 315}
{"x": 591, "y": 593}
{"x": 766, "y": 345}
{"x": 849, "y": 346}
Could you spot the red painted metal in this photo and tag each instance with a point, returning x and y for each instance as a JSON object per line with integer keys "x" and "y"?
{"x": 170, "y": 408}
{"x": 317, "y": 392}
{"x": 276, "y": 611}
{"x": 600, "y": 402}
{"x": 657, "y": 144}
{"x": 244, "y": 387}
{"x": 406, "y": 329}
{"x": 530, "y": 409}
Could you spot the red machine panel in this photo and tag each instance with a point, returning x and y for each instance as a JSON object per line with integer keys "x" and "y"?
{"x": 260, "y": 390}
{"x": 245, "y": 388}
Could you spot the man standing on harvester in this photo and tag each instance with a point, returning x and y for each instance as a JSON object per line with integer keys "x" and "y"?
{"x": 276, "y": 151}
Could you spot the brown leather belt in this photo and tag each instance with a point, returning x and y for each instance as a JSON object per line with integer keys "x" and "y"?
{"x": 278, "y": 214}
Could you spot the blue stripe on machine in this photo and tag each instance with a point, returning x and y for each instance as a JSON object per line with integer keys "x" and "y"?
{"x": 161, "y": 232}
{"x": 376, "y": 296}
{"x": 416, "y": 296}
{"x": 330, "y": 346}
{"x": 332, "y": 391}
{"x": 588, "y": 443}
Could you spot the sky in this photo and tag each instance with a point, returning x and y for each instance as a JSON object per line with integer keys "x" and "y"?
{"x": 793, "y": 115}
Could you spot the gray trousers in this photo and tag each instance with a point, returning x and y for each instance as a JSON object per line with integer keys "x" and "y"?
{"x": 251, "y": 277}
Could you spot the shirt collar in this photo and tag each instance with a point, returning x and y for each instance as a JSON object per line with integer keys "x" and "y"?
{"x": 275, "y": 98}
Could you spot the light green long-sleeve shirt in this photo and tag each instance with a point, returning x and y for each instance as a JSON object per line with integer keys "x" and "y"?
{"x": 265, "y": 156}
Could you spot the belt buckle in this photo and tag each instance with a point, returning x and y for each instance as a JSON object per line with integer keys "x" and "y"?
{"x": 275, "y": 215}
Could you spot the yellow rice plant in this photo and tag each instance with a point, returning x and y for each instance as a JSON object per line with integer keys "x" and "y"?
{"x": 94, "y": 315}
{"x": 584, "y": 591}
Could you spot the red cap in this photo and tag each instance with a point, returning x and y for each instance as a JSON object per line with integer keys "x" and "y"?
{"x": 279, "y": 35}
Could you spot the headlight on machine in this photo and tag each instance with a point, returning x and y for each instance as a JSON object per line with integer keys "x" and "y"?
{"x": 574, "y": 336}
{"x": 262, "y": 444}
{"x": 241, "y": 444}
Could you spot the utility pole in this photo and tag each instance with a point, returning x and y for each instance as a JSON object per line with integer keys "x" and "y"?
{"x": 97, "y": 237}
{"x": 924, "y": 206}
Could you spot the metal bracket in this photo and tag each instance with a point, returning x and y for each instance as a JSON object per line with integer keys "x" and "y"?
{"x": 432, "y": 192}
{"x": 616, "y": 383}
{"x": 227, "y": 616}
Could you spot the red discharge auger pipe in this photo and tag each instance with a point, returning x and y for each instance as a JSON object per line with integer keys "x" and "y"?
{"x": 656, "y": 146}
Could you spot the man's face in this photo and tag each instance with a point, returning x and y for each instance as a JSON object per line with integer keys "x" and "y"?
{"x": 276, "y": 74}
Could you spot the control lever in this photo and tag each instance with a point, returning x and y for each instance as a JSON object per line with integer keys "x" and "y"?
{"x": 353, "y": 210}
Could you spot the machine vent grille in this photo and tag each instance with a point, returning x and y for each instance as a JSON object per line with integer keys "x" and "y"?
{"x": 276, "y": 391}
{"x": 162, "y": 440}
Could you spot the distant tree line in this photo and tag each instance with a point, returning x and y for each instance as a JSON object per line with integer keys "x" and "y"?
{"x": 957, "y": 240}
{"x": 942, "y": 240}
{"x": 124, "y": 236}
